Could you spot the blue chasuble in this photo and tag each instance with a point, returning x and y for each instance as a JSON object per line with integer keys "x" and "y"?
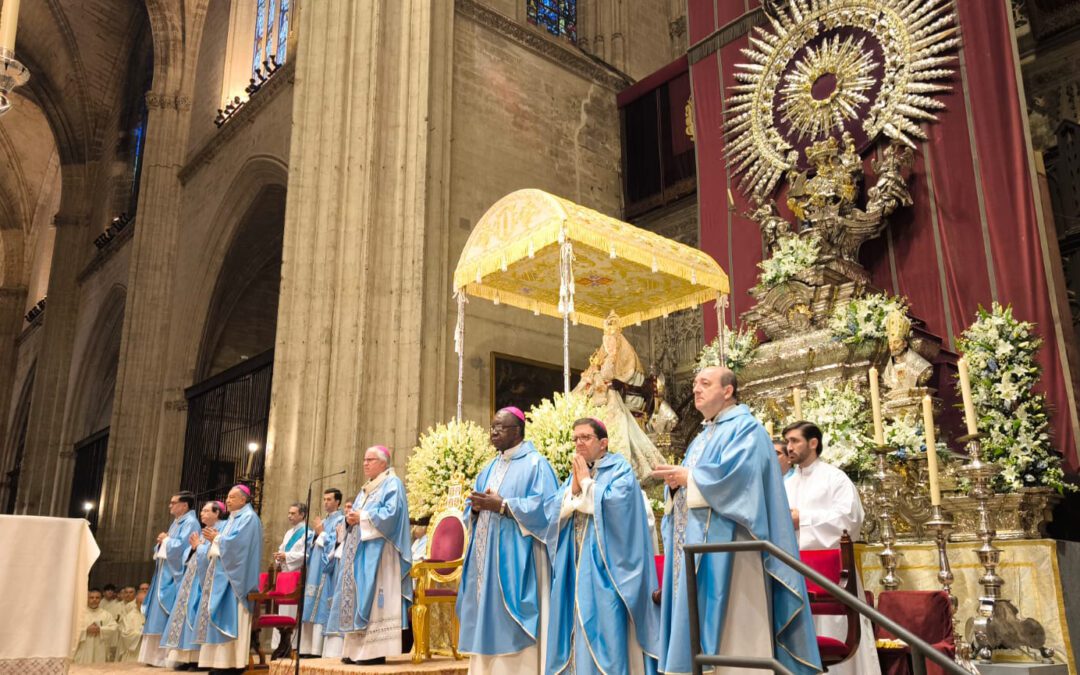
{"x": 603, "y": 576}
{"x": 320, "y": 574}
{"x": 498, "y": 603}
{"x": 230, "y": 577}
{"x": 733, "y": 464}
{"x": 170, "y": 570}
{"x": 180, "y": 631}
{"x": 383, "y": 500}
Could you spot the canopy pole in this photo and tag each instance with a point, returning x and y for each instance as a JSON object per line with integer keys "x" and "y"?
{"x": 459, "y": 347}
{"x": 721, "y": 321}
{"x": 566, "y": 301}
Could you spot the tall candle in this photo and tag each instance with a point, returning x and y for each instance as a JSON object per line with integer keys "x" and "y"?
{"x": 931, "y": 450}
{"x": 9, "y": 17}
{"x": 965, "y": 390}
{"x": 875, "y": 407}
{"x": 796, "y": 399}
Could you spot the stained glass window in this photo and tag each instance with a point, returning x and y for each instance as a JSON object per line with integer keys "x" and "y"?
{"x": 271, "y": 33}
{"x": 558, "y": 17}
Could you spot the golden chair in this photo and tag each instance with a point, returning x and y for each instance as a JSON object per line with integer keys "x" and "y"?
{"x": 438, "y": 576}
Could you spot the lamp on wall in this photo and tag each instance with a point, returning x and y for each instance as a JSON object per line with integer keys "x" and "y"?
{"x": 12, "y": 72}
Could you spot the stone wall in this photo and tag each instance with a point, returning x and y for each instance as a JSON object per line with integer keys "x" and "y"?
{"x": 522, "y": 118}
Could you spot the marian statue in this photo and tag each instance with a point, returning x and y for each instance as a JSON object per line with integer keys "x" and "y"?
{"x": 617, "y": 362}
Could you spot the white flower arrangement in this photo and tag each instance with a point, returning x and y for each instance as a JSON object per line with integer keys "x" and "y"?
{"x": 446, "y": 452}
{"x": 740, "y": 348}
{"x": 842, "y": 414}
{"x": 863, "y": 319}
{"x": 792, "y": 255}
{"x": 549, "y": 425}
{"x": 1001, "y": 353}
{"x": 907, "y": 435}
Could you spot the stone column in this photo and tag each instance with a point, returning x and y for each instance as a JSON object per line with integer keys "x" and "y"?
{"x": 137, "y": 471}
{"x": 12, "y": 302}
{"x": 39, "y": 493}
{"x": 361, "y": 335}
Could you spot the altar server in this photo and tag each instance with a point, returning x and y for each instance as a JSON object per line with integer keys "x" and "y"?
{"x": 375, "y": 587}
{"x": 333, "y": 639}
{"x": 729, "y": 488}
{"x": 179, "y": 637}
{"x": 169, "y": 555}
{"x": 223, "y": 626}
{"x": 289, "y": 557}
{"x": 129, "y": 627}
{"x": 319, "y": 588}
{"x": 98, "y": 631}
{"x": 603, "y": 618}
{"x": 824, "y": 504}
{"x": 506, "y": 580}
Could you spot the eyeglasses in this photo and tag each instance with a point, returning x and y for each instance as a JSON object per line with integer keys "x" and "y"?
{"x": 584, "y": 438}
{"x": 499, "y": 428}
{"x": 174, "y": 502}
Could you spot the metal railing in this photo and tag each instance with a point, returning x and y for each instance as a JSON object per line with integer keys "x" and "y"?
{"x": 921, "y": 650}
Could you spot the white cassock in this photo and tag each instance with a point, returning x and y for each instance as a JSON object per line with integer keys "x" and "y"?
{"x": 95, "y": 648}
{"x": 828, "y": 503}
{"x": 130, "y": 626}
{"x": 294, "y": 558}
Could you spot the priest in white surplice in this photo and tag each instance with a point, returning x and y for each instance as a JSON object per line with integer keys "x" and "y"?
{"x": 129, "y": 627}
{"x": 375, "y": 587}
{"x": 825, "y": 503}
{"x": 98, "y": 631}
{"x": 289, "y": 558}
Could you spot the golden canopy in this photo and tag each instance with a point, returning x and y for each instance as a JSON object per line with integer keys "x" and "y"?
{"x": 516, "y": 256}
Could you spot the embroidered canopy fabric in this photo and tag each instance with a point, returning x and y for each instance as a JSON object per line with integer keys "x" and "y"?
{"x": 515, "y": 253}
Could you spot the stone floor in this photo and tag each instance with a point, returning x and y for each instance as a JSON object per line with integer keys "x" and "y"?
{"x": 402, "y": 666}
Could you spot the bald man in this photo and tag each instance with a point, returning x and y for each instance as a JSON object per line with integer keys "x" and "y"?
{"x": 729, "y": 488}
{"x": 375, "y": 590}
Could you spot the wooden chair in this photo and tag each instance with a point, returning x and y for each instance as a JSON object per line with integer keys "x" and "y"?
{"x": 447, "y": 541}
{"x": 276, "y": 589}
{"x": 927, "y": 614}
{"x": 838, "y": 565}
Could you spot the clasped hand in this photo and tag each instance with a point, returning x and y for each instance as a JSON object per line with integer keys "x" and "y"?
{"x": 352, "y": 517}
{"x": 486, "y": 501}
{"x": 674, "y": 477}
{"x": 581, "y": 471}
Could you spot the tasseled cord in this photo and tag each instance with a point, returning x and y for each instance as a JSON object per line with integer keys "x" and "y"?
{"x": 566, "y": 302}
{"x": 459, "y": 349}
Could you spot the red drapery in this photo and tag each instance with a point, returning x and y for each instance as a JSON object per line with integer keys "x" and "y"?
{"x": 973, "y": 235}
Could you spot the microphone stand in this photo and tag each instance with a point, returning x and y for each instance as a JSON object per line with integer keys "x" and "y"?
{"x": 303, "y": 571}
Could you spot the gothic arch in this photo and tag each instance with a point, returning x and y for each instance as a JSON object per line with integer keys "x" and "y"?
{"x": 12, "y": 458}
{"x": 95, "y": 382}
{"x": 261, "y": 177}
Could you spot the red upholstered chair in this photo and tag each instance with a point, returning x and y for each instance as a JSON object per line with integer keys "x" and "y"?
{"x": 438, "y": 576}
{"x": 284, "y": 589}
{"x": 927, "y": 614}
{"x": 838, "y": 565}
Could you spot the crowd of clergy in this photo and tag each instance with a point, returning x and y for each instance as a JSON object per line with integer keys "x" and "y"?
{"x": 557, "y": 578}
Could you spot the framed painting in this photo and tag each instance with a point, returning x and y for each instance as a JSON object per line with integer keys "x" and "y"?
{"x": 524, "y": 382}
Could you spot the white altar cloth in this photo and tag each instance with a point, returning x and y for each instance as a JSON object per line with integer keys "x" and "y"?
{"x": 44, "y": 566}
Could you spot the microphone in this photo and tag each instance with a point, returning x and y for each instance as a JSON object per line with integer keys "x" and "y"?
{"x": 304, "y": 570}
{"x": 329, "y": 475}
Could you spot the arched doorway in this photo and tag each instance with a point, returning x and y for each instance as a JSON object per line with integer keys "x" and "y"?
{"x": 229, "y": 405}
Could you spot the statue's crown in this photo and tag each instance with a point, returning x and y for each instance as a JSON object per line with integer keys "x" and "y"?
{"x": 822, "y": 150}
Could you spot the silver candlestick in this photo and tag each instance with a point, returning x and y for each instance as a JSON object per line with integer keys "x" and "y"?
{"x": 12, "y": 74}
{"x": 886, "y": 482}
{"x": 980, "y": 473}
{"x": 941, "y": 524}
{"x": 997, "y": 618}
